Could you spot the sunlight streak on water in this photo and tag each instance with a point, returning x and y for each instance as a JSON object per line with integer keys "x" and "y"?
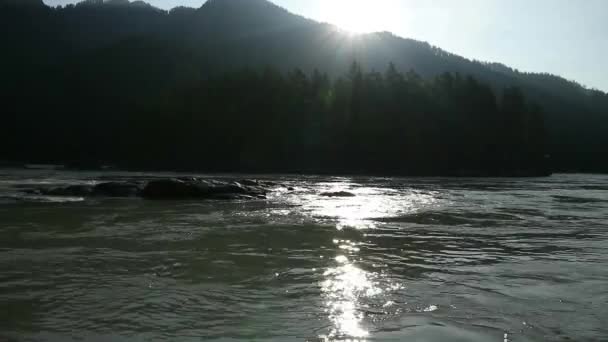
{"x": 368, "y": 204}
{"x": 343, "y": 287}
{"x": 346, "y": 287}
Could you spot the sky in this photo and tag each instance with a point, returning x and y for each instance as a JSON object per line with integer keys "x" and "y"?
{"x": 562, "y": 37}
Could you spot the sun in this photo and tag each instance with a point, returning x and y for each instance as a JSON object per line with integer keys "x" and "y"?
{"x": 356, "y": 16}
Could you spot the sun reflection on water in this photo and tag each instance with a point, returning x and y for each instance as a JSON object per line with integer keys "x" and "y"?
{"x": 348, "y": 289}
{"x": 343, "y": 286}
{"x": 352, "y": 295}
{"x": 368, "y": 204}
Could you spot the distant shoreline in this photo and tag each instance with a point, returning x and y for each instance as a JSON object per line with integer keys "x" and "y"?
{"x": 330, "y": 173}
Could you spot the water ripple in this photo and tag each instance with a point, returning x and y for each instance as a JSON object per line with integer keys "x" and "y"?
{"x": 403, "y": 259}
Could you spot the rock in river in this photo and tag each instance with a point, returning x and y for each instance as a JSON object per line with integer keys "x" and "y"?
{"x": 338, "y": 194}
{"x": 206, "y": 189}
{"x": 109, "y": 189}
{"x": 118, "y": 189}
{"x": 171, "y": 188}
{"x": 69, "y": 190}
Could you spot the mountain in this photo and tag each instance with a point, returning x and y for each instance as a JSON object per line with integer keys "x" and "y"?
{"x": 22, "y": 3}
{"x": 131, "y": 51}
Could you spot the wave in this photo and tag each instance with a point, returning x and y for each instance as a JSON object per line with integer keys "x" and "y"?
{"x": 581, "y": 200}
{"x": 19, "y": 198}
{"x": 449, "y": 218}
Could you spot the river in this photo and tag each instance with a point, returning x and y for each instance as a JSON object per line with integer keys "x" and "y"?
{"x": 406, "y": 259}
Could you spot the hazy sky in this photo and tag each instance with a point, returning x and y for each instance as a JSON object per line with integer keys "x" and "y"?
{"x": 564, "y": 37}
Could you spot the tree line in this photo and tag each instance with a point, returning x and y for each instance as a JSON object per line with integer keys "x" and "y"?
{"x": 265, "y": 120}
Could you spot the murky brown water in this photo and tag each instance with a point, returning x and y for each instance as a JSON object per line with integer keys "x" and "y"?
{"x": 405, "y": 260}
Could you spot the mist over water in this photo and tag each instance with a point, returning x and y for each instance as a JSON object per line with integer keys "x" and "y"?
{"x": 420, "y": 259}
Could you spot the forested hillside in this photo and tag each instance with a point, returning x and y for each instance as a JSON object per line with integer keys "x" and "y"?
{"x": 245, "y": 85}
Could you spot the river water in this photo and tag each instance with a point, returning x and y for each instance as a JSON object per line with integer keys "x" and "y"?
{"x": 406, "y": 259}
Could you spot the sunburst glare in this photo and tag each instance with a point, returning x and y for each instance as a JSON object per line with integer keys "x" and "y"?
{"x": 357, "y": 16}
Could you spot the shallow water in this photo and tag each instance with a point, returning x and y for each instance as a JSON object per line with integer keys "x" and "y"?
{"x": 405, "y": 260}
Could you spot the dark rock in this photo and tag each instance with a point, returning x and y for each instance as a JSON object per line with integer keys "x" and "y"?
{"x": 249, "y": 182}
{"x": 32, "y": 191}
{"x": 338, "y": 194}
{"x": 118, "y": 189}
{"x": 268, "y": 183}
{"x": 70, "y": 190}
{"x": 225, "y": 188}
{"x": 188, "y": 179}
{"x": 260, "y": 183}
{"x": 173, "y": 188}
{"x": 291, "y": 189}
{"x": 109, "y": 189}
{"x": 237, "y": 188}
{"x": 169, "y": 189}
{"x": 205, "y": 189}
